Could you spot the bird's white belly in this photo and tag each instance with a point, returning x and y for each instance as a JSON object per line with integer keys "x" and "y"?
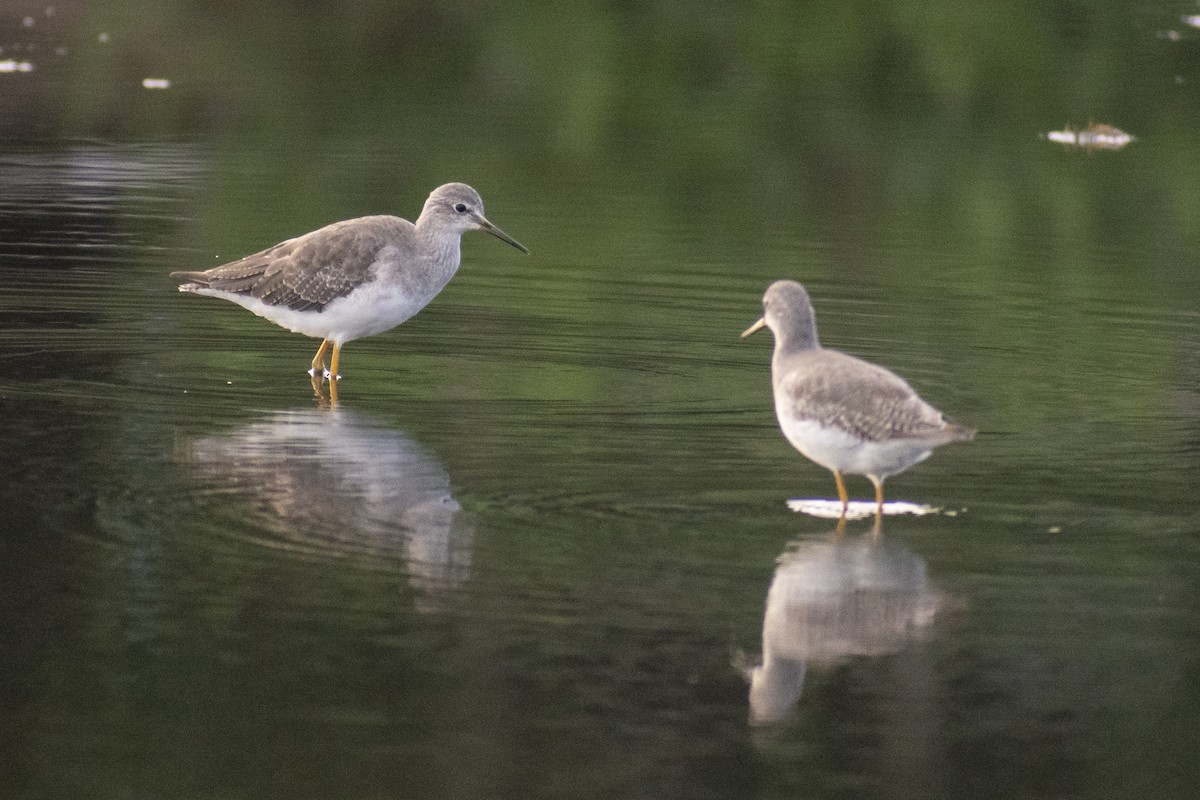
{"x": 836, "y": 449}
{"x": 370, "y": 309}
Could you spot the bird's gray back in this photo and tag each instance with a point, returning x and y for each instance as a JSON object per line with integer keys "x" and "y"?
{"x": 863, "y": 399}
{"x": 311, "y": 271}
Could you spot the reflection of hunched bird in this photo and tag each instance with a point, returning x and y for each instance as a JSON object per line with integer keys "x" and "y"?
{"x": 848, "y": 415}
{"x": 335, "y": 483}
{"x": 354, "y": 278}
{"x": 830, "y": 600}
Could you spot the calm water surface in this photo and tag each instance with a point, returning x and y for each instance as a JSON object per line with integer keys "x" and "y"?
{"x": 542, "y": 547}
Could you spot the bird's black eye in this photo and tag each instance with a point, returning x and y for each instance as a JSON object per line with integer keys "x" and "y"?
{"x": 460, "y": 208}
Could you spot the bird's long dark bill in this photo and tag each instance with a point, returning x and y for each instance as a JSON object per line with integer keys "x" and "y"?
{"x": 502, "y": 236}
{"x": 755, "y": 327}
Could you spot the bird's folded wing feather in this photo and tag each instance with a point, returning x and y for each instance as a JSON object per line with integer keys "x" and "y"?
{"x": 308, "y": 272}
{"x": 862, "y": 399}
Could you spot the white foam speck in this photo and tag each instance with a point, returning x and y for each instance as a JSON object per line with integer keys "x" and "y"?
{"x": 12, "y": 65}
{"x": 156, "y": 83}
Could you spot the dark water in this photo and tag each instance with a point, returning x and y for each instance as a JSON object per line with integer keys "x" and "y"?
{"x": 542, "y": 547}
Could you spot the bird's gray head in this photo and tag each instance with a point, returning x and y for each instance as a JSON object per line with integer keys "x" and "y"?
{"x": 788, "y": 312}
{"x": 458, "y": 208}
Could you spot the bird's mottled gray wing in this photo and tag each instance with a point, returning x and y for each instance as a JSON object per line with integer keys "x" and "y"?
{"x": 310, "y": 271}
{"x": 861, "y": 398}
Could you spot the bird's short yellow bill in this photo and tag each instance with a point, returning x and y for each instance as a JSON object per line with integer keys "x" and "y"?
{"x": 755, "y": 327}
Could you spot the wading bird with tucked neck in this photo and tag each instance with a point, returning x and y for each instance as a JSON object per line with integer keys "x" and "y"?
{"x": 847, "y": 415}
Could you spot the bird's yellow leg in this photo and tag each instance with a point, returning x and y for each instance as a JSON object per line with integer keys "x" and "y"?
{"x": 878, "y": 502}
{"x": 845, "y": 498}
{"x": 318, "y": 362}
{"x": 318, "y": 387}
{"x": 333, "y": 364}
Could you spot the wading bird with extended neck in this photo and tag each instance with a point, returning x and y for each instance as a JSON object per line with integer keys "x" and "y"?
{"x": 355, "y": 278}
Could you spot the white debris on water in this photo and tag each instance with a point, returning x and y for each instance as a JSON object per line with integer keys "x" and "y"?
{"x": 156, "y": 83}
{"x": 12, "y": 65}
{"x": 858, "y": 509}
{"x": 1096, "y": 136}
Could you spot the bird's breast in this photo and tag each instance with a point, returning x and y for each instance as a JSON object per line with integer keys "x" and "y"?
{"x": 373, "y": 308}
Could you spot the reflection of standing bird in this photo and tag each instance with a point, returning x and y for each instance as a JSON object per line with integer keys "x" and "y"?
{"x": 339, "y": 484}
{"x": 833, "y": 600}
{"x": 354, "y": 278}
{"x": 847, "y": 415}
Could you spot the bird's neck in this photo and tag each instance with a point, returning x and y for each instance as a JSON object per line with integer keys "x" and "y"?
{"x": 442, "y": 246}
{"x": 796, "y": 338}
